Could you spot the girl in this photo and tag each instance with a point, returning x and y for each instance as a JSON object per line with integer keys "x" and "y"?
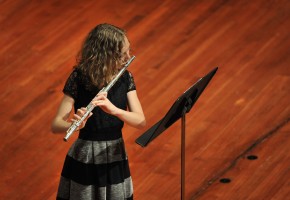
{"x": 96, "y": 166}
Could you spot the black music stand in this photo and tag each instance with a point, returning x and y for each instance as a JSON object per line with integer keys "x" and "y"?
{"x": 181, "y": 106}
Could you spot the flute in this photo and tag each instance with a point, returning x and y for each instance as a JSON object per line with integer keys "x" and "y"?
{"x": 91, "y": 106}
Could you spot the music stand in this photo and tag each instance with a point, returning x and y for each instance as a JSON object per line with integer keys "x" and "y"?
{"x": 180, "y": 107}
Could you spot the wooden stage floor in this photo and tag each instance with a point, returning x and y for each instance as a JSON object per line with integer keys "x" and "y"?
{"x": 237, "y": 131}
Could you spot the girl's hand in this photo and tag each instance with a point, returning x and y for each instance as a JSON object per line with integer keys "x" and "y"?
{"x": 80, "y": 113}
{"x": 104, "y": 103}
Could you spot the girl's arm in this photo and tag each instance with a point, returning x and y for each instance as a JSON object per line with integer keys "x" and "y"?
{"x": 61, "y": 121}
{"x": 134, "y": 117}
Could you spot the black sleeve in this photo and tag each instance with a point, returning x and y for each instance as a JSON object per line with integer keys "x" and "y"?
{"x": 71, "y": 85}
{"x": 131, "y": 82}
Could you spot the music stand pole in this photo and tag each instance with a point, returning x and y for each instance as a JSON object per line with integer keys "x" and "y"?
{"x": 182, "y": 167}
{"x": 187, "y": 106}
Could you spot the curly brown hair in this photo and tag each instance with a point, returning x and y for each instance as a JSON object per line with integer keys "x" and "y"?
{"x": 101, "y": 54}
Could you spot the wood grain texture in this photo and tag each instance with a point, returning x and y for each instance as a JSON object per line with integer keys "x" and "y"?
{"x": 244, "y": 111}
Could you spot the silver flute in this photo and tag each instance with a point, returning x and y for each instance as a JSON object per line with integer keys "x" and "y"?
{"x": 91, "y": 106}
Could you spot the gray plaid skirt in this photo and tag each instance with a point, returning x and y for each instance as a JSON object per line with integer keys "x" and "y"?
{"x": 96, "y": 170}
